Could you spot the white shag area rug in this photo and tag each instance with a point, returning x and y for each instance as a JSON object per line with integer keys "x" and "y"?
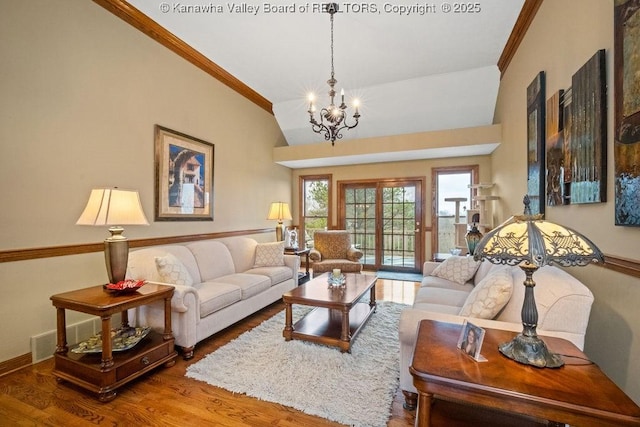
{"x": 354, "y": 388}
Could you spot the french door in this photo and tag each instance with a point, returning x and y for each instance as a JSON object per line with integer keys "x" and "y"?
{"x": 385, "y": 221}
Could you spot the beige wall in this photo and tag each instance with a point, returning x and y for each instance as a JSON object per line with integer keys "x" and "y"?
{"x": 81, "y": 93}
{"x": 560, "y": 40}
{"x": 416, "y": 168}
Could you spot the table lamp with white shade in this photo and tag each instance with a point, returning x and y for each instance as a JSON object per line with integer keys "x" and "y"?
{"x": 114, "y": 207}
{"x": 279, "y": 211}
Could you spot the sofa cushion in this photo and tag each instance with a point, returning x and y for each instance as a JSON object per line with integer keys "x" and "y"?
{"x": 459, "y": 269}
{"x": 269, "y": 254}
{"x": 439, "y": 282}
{"x": 442, "y": 296}
{"x": 172, "y": 270}
{"x": 243, "y": 252}
{"x": 276, "y": 274}
{"x": 249, "y": 284}
{"x": 216, "y": 296}
{"x": 490, "y": 295}
{"x": 214, "y": 259}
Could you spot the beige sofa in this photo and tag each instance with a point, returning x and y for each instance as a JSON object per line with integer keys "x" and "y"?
{"x": 217, "y": 283}
{"x": 563, "y": 305}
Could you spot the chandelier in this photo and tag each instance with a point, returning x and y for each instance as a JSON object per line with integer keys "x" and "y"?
{"x": 333, "y": 119}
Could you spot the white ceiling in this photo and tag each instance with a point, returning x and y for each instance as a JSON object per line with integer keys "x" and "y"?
{"x": 412, "y": 73}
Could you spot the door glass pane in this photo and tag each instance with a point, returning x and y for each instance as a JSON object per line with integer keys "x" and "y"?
{"x": 398, "y": 227}
{"x": 452, "y": 186}
{"x": 360, "y": 217}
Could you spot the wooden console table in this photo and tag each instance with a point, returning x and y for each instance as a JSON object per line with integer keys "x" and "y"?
{"x": 578, "y": 393}
{"x": 103, "y": 373}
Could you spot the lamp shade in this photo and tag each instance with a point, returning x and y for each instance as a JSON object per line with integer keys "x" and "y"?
{"x": 279, "y": 211}
{"x": 112, "y": 206}
{"x": 531, "y": 239}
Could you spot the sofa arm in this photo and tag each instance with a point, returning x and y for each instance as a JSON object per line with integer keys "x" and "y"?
{"x": 354, "y": 254}
{"x": 314, "y": 255}
{"x": 428, "y": 268}
{"x": 293, "y": 262}
{"x": 179, "y": 302}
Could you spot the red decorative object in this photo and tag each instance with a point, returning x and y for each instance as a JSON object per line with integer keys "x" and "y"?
{"x": 126, "y": 285}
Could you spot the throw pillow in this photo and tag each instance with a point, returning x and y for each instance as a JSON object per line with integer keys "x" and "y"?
{"x": 459, "y": 269}
{"x": 490, "y": 295}
{"x": 173, "y": 271}
{"x": 269, "y": 254}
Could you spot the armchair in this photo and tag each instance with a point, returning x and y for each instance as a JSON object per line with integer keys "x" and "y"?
{"x": 333, "y": 249}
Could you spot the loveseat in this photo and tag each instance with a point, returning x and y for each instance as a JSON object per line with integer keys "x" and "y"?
{"x": 217, "y": 283}
{"x": 491, "y": 296}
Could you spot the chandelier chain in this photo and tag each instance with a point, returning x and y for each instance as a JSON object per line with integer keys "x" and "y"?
{"x": 332, "y": 71}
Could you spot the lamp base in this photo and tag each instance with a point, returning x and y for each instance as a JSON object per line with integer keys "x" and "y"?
{"x": 116, "y": 256}
{"x": 530, "y": 351}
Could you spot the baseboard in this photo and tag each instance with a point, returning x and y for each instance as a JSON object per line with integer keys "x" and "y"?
{"x": 14, "y": 364}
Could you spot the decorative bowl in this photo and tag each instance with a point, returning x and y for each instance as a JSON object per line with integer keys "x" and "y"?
{"x": 337, "y": 280}
{"x": 125, "y": 286}
{"x": 456, "y": 251}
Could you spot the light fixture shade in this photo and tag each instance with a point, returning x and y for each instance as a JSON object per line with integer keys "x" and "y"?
{"x": 279, "y": 211}
{"x": 531, "y": 239}
{"x": 112, "y": 206}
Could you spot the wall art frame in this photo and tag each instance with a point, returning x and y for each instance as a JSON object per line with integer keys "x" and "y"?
{"x": 536, "y": 143}
{"x": 627, "y": 112}
{"x": 184, "y": 171}
{"x": 588, "y": 142}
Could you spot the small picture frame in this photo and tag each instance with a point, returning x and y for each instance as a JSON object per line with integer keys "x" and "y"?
{"x": 470, "y": 341}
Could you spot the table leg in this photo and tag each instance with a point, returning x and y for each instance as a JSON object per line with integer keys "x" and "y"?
{"x": 124, "y": 316}
{"x": 345, "y": 335}
{"x": 288, "y": 323}
{"x": 423, "y": 415}
{"x": 107, "y": 355}
{"x": 61, "y": 346}
{"x": 372, "y": 296}
{"x": 168, "y": 334}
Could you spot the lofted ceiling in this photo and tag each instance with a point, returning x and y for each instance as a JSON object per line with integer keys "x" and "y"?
{"x": 421, "y": 70}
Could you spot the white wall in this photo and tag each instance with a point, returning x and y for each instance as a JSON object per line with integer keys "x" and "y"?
{"x": 81, "y": 93}
{"x": 563, "y": 36}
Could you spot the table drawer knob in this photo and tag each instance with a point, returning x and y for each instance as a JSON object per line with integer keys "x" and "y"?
{"x": 145, "y": 360}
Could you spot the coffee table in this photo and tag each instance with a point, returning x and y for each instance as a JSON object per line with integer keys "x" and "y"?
{"x": 578, "y": 393}
{"x": 339, "y": 314}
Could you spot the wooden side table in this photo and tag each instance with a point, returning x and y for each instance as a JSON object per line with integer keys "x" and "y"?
{"x": 103, "y": 373}
{"x": 578, "y": 393}
{"x": 302, "y": 277}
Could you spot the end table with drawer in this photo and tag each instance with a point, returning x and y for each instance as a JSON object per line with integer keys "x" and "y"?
{"x": 105, "y": 371}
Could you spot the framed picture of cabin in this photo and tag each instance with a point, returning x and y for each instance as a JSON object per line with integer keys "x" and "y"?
{"x": 183, "y": 177}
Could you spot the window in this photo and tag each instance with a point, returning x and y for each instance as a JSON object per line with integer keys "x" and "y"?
{"x": 315, "y": 210}
{"x": 452, "y": 198}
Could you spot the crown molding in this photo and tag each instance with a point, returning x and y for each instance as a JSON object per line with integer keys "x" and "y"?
{"x": 142, "y": 22}
{"x": 528, "y": 12}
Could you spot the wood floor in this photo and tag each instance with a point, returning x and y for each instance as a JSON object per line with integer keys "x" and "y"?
{"x": 165, "y": 397}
